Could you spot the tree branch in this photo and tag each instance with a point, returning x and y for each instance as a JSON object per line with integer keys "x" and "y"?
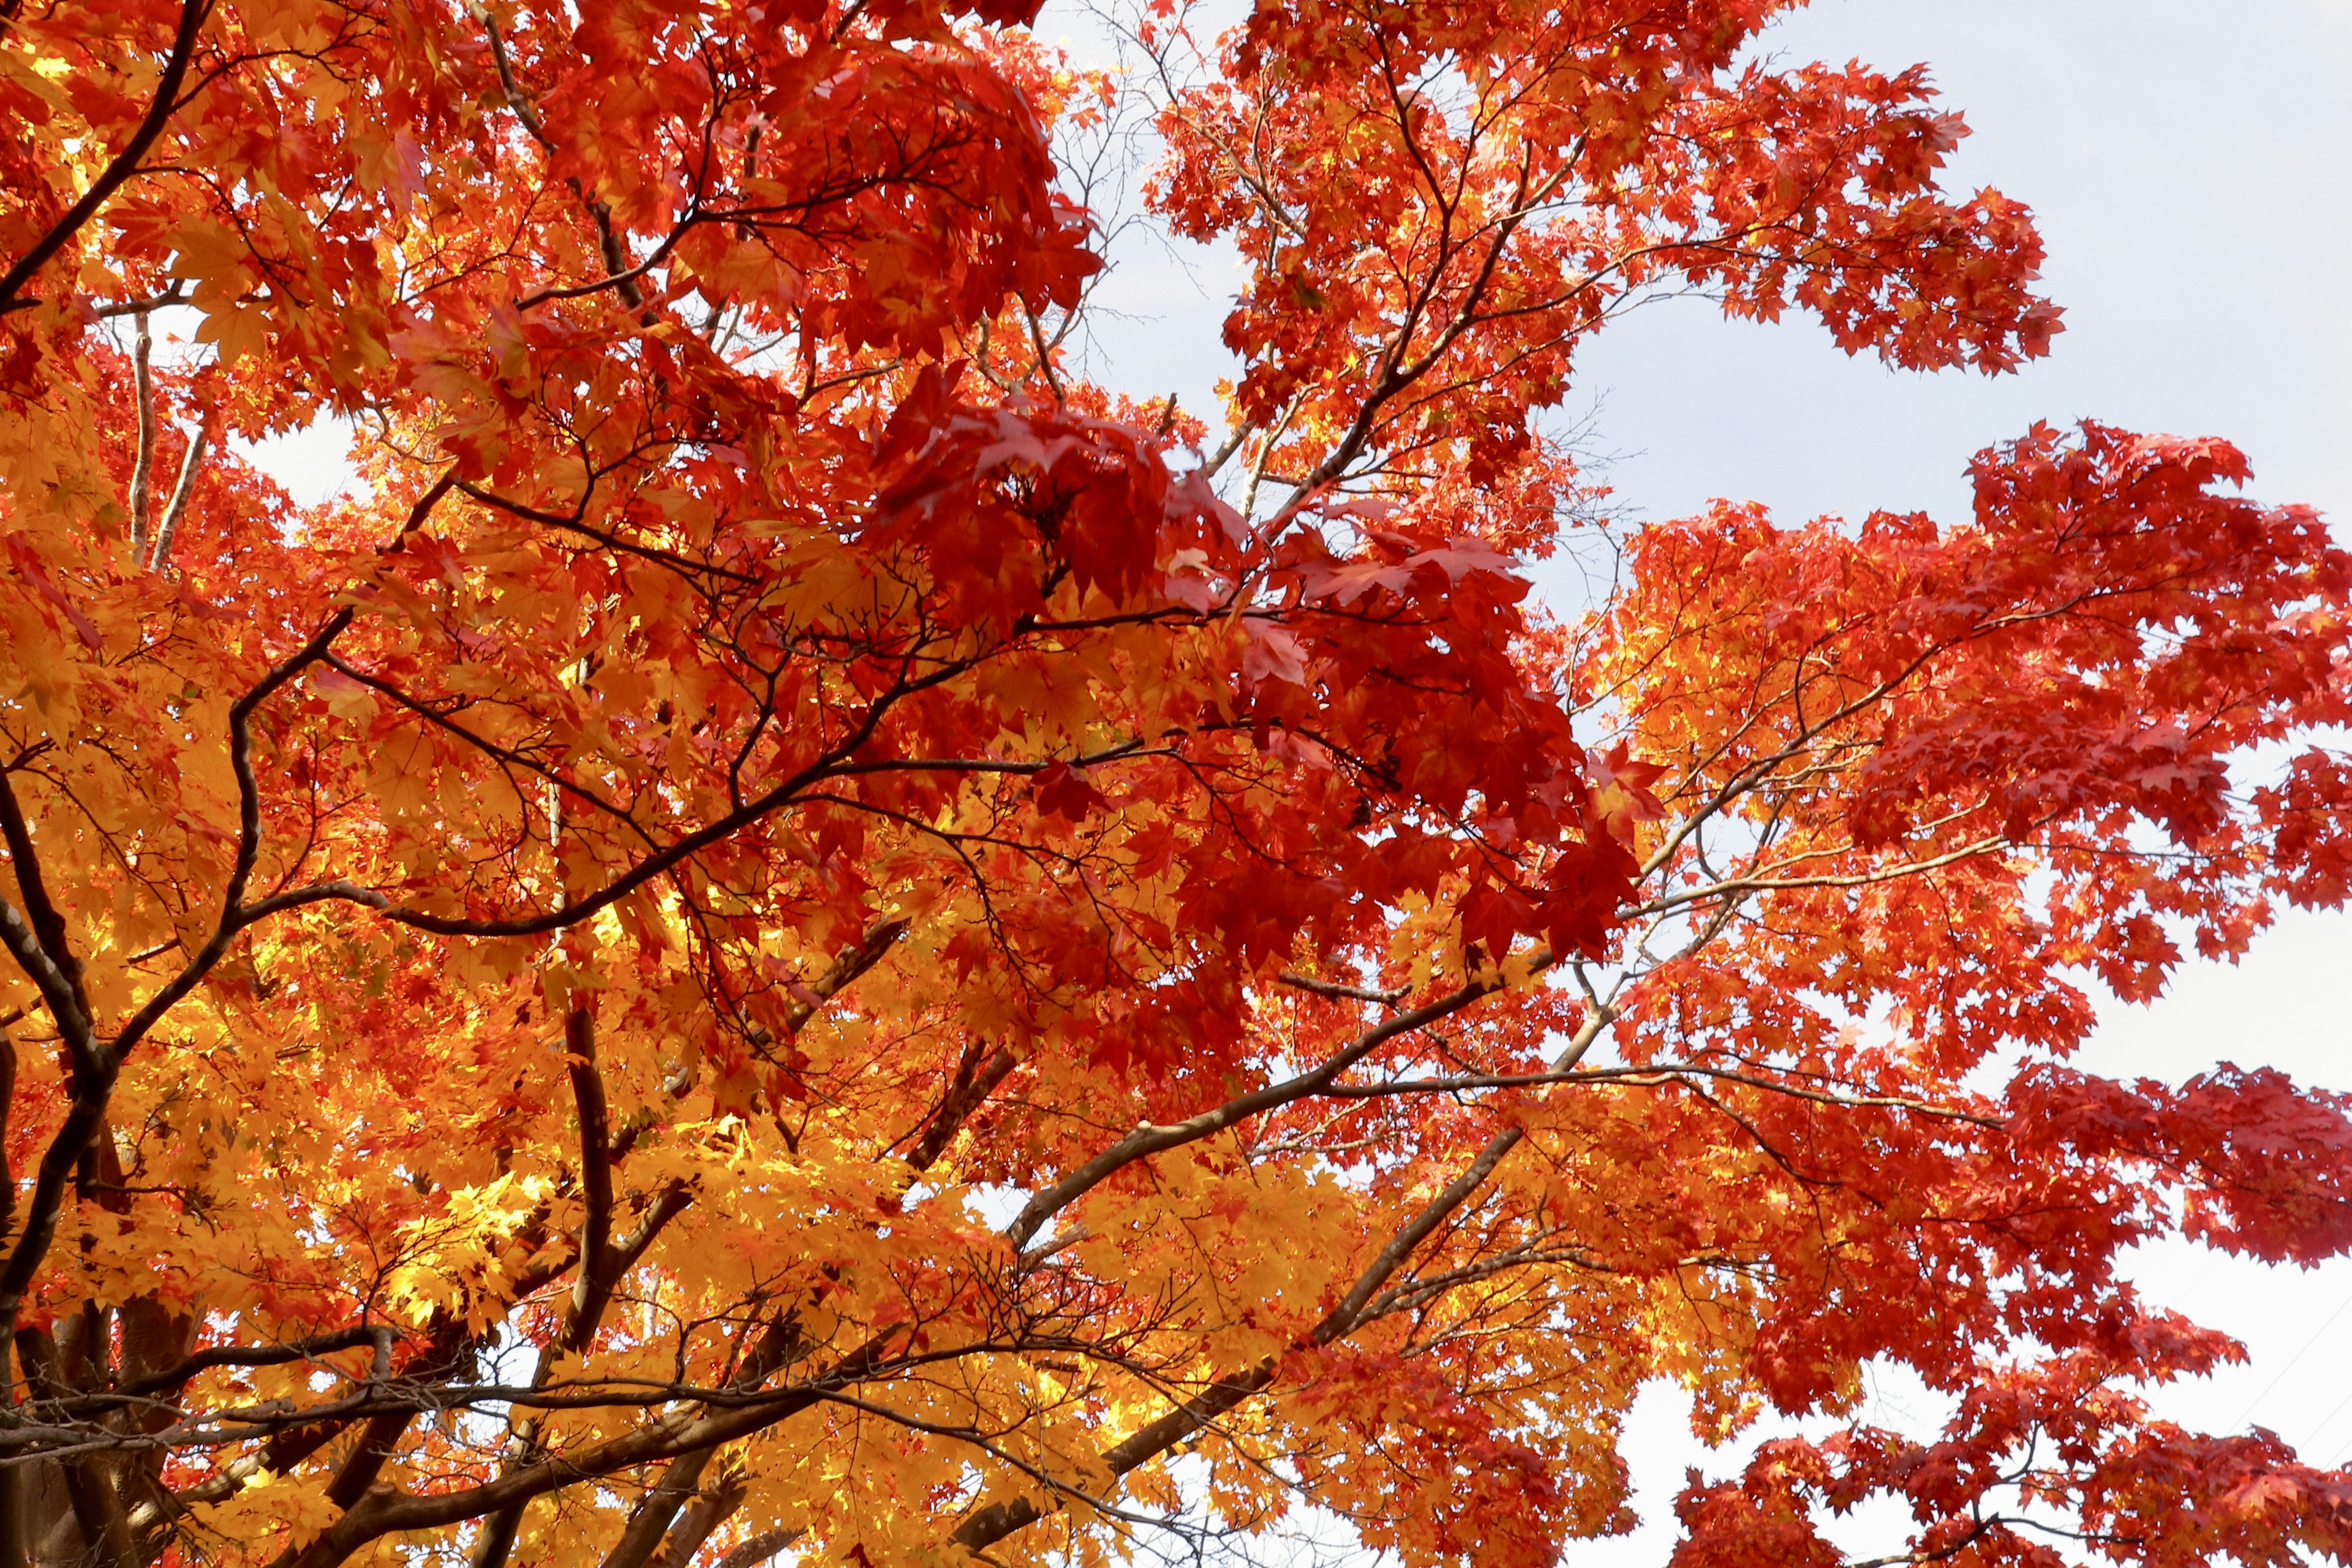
{"x": 39, "y": 939}
{"x": 756, "y": 1550}
{"x": 142, "y": 385}
{"x": 119, "y": 168}
{"x": 177, "y": 508}
{"x": 175, "y": 294}
{"x": 681, "y": 1432}
{"x": 1148, "y": 1139}
{"x": 591, "y": 1289}
{"x": 971, "y": 1087}
{"x": 204, "y": 1361}
{"x": 236, "y": 915}
{"x": 1339, "y": 993}
{"x": 620, "y": 275}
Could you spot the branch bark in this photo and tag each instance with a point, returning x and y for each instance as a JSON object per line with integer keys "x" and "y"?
{"x": 620, "y": 275}
{"x": 592, "y": 1288}
{"x": 1148, "y": 1139}
{"x": 757, "y": 1549}
{"x": 119, "y": 168}
{"x": 190, "y": 461}
{"x": 142, "y": 384}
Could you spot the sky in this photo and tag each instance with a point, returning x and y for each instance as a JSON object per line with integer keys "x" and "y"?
{"x": 2190, "y": 166}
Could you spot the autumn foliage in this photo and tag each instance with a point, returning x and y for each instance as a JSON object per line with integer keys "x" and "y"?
{"x": 792, "y": 929}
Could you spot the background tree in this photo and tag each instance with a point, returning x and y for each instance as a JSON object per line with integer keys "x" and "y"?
{"x": 800, "y": 930}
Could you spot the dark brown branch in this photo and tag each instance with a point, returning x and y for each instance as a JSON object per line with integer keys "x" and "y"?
{"x": 98, "y": 1510}
{"x": 95, "y": 1065}
{"x": 682, "y": 1432}
{"x": 649, "y": 1530}
{"x": 236, "y": 915}
{"x": 682, "y": 1480}
{"x": 756, "y": 1550}
{"x": 591, "y": 1289}
{"x": 709, "y": 1510}
{"x": 39, "y": 939}
{"x": 854, "y": 959}
{"x": 595, "y": 1159}
{"x": 991, "y": 1524}
{"x": 971, "y": 1087}
{"x": 1148, "y": 1139}
{"x": 8, "y": 1109}
{"x": 119, "y": 168}
{"x": 661, "y": 862}
{"x": 1344, "y": 1317}
{"x": 204, "y": 1361}
{"x": 624, "y": 1254}
{"x": 1338, "y": 992}
{"x": 576, "y": 522}
{"x": 1000, "y": 1520}
{"x": 380, "y": 1435}
{"x": 58, "y": 992}
{"x": 622, "y": 275}
{"x": 384, "y": 1427}
{"x": 280, "y": 1454}
{"x": 446, "y": 1345}
{"x": 1655, "y": 1075}
{"x": 621, "y": 278}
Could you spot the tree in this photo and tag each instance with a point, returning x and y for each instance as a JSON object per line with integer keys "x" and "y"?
{"x": 799, "y": 929}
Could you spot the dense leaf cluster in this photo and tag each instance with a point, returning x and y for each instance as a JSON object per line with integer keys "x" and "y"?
{"x": 792, "y": 928}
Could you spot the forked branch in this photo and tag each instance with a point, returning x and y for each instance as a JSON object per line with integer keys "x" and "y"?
{"x": 119, "y": 168}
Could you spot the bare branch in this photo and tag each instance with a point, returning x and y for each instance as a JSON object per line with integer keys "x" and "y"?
{"x": 1655, "y": 1075}
{"x": 971, "y": 1087}
{"x": 621, "y": 274}
{"x": 143, "y": 387}
{"x": 177, "y": 508}
{"x": 1339, "y": 993}
{"x": 999, "y": 1519}
{"x": 592, "y": 1288}
{"x": 176, "y": 294}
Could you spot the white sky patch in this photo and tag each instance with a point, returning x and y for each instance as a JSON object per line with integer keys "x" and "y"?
{"x": 314, "y": 463}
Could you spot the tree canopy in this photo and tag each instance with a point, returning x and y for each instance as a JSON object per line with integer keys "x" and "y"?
{"x": 792, "y": 929}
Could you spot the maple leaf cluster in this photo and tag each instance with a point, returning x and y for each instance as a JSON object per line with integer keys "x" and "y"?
{"x": 792, "y": 929}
